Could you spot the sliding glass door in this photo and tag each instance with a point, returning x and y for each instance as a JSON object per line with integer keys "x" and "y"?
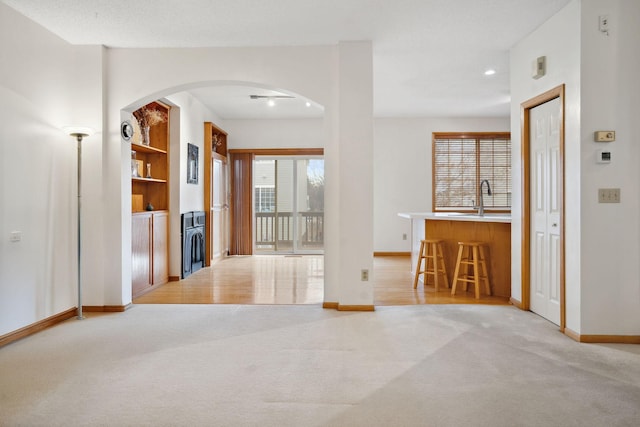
{"x": 288, "y": 205}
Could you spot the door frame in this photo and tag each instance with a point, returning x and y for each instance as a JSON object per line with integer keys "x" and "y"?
{"x": 525, "y": 125}
{"x": 209, "y": 155}
{"x": 246, "y": 240}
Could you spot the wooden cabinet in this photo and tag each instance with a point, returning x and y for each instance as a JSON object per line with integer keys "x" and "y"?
{"x": 140, "y": 253}
{"x": 160, "y": 248}
{"x": 149, "y": 250}
{"x": 150, "y": 200}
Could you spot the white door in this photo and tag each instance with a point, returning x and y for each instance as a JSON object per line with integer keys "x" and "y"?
{"x": 545, "y": 205}
{"x": 219, "y": 209}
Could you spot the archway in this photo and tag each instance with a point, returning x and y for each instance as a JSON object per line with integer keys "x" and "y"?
{"x": 185, "y": 123}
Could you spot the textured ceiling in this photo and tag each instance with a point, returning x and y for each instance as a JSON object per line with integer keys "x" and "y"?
{"x": 429, "y": 55}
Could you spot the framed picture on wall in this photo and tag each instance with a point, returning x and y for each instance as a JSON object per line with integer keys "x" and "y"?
{"x": 192, "y": 164}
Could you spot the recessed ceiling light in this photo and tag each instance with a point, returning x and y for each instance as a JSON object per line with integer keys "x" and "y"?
{"x": 271, "y": 103}
{"x": 490, "y": 72}
{"x": 308, "y": 104}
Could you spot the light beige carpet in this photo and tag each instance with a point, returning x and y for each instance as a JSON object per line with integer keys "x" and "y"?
{"x": 227, "y": 365}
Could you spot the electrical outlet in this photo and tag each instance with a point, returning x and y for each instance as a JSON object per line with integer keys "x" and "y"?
{"x": 364, "y": 275}
{"x": 608, "y": 195}
{"x": 15, "y": 236}
{"x": 604, "y": 24}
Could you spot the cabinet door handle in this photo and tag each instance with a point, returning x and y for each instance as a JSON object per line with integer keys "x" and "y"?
{"x": 555, "y": 224}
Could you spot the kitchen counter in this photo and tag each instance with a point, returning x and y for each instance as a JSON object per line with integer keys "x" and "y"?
{"x": 457, "y": 216}
{"x": 452, "y": 227}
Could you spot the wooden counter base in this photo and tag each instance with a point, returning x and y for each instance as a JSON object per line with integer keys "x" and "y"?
{"x": 497, "y": 237}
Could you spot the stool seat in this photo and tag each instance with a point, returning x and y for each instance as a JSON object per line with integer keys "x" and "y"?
{"x": 473, "y": 260}
{"x": 431, "y": 252}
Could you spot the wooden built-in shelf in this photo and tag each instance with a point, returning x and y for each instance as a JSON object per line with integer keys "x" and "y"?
{"x": 163, "y": 181}
{"x": 215, "y": 139}
{"x": 150, "y": 228}
{"x": 154, "y": 190}
{"x": 139, "y": 148}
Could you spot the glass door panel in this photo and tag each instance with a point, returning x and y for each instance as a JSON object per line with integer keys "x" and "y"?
{"x": 310, "y": 205}
{"x": 288, "y": 205}
{"x": 285, "y": 198}
{"x": 264, "y": 205}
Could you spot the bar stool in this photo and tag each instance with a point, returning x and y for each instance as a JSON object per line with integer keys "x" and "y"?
{"x": 474, "y": 258}
{"x": 431, "y": 250}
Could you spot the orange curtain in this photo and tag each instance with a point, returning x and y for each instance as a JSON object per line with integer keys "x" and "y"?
{"x": 241, "y": 204}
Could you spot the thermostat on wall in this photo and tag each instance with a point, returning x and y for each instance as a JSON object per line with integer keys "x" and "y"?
{"x": 603, "y": 156}
{"x": 604, "y": 136}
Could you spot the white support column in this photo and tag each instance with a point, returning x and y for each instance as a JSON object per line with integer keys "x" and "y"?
{"x": 355, "y": 139}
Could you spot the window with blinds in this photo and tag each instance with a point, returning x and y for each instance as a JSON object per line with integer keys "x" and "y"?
{"x": 461, "y": 161}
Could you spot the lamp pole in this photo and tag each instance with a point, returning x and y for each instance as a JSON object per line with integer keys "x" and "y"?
{"x": 79, "y": 134}
{"x": 79, "y": 137}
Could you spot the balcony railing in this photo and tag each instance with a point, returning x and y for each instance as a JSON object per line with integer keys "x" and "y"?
{"x": 274, "y": 231}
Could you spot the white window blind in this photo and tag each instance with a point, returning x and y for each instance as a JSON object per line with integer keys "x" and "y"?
{"x": 462, "y": 161}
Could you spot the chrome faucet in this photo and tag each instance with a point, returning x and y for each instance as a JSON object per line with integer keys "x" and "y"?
{"x": 481, "y": 207}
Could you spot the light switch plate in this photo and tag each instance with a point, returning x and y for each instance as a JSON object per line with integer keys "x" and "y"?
{"x": 608, "y": 195}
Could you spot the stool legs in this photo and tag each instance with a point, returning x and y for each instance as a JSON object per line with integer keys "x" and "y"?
{"x": 475, "y": 257}
{"x": 485, "y": 273}
{"x": 476, "y": 270}
{"x": 457, "y": 270}
{"x": 419, "y": 265}
{"x": 443, "y": 268}
{"x": 431, "y": 252}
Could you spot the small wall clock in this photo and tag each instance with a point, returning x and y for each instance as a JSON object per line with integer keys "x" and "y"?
{"x": 126, "y": 130}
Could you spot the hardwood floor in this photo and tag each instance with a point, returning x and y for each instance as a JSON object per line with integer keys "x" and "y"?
{"x": 277, "y": 279}
{"x": 394, "y": 286}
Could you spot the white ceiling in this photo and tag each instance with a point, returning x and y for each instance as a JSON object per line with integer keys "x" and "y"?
{"x": 428, "y": 55}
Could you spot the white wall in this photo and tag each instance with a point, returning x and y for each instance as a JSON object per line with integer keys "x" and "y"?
{"x": 185, "y": 197}
{"x": 602, "y": 241}
{"x": 45, "y": 84}
{"x": 402, "y": 177}
{"x": 610, "y": 300}
{"x": 283, "y": 133}
{"x": 559, "y": 40}
{"x": 354, "y": 231}
{"x": 193, "y": 114}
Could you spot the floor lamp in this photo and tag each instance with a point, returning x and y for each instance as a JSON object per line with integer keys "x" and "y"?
{"x": 79, "y": 133}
